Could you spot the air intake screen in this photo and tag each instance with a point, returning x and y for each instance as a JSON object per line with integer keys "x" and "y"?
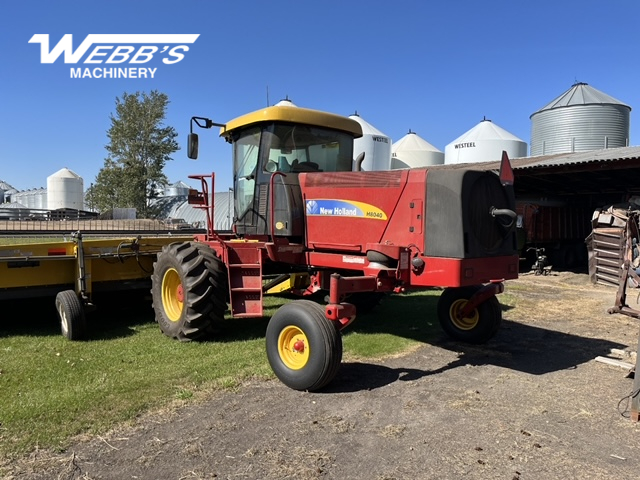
{"x": 458, "y": 219}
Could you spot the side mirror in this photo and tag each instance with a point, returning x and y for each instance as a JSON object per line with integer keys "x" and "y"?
{"x": 192, "y": 146}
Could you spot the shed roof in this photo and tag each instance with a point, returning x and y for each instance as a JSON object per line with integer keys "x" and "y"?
{"x": 614, "y": 171}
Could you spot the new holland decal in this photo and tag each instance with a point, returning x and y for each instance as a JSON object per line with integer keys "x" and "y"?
{"x": 344, "y": 208}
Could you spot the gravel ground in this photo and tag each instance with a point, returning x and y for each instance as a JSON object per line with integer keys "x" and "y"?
{"x": 531, "y": 404}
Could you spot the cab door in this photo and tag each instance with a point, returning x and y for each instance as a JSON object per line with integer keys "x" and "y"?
{"x": 245, "y": 162}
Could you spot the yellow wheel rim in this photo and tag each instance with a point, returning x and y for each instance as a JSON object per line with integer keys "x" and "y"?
{"x": 465, "y": 323}
{"x": 172, "y": 294}
{"x": 293, "y": 347}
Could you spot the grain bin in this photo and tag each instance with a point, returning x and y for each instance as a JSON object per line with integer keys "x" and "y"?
{"x": 40, "y": 199}
{"x": 412, "y": 151}
{"x": 65, "y": 190}
{"x": 178, "y": 189}
{"x": 285, "y": 102}
{"x": 581, "y": 119}
{"x": 375, "y": 145}
{"x": 7, "y": 191}
{"x": 484, "y": 143}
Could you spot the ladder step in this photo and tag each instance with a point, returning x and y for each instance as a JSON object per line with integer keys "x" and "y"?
{"x": 245, "y": 281}
{"x": 246, "y": 303}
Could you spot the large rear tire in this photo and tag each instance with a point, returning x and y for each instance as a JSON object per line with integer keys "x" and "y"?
{"x": 184, "y": 297}
{"x": 218, "y": 279}
{"x": 73, "y": 323}
{"x": 303, "y": 347}
{"x": 479, "y": 326}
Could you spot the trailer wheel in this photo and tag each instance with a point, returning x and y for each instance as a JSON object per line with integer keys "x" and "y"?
{"x": 481, "y": 324}
{"x": 182, "y": 292}
{"x": 303, "y": 347}
{"x": 70, "y": 310}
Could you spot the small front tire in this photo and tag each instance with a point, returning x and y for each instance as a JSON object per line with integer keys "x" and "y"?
{"x": 303, "y": 347}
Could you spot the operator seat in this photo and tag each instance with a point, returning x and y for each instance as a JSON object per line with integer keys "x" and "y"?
{"x": 297, "y": 167}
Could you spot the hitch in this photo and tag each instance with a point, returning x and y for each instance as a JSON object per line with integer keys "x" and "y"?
{"x": 343, "y": 313}
{"x": 485, "y": 293}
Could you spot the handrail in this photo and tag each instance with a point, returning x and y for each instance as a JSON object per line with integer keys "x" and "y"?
{"x": 208, "y": 208}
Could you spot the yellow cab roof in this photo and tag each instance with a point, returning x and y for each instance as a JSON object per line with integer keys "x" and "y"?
{"x": 298, "y": 115}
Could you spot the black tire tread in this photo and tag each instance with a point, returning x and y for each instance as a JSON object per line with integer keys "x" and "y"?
{"x": 490, "y": 316}
{"x": 332, "y": 344}
{"x": 74, "y": 310}
{"x": 328, "y": 348}
{"x": 198, "y": 308}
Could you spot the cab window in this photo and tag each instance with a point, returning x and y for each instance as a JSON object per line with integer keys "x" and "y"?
{"x": 303, "y": 148}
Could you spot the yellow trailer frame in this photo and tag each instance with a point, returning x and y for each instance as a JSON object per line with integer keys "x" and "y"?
{"x": 72, "y": 269}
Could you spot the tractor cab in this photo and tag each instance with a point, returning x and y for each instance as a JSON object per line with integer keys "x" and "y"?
{"x": 270, "y": 148}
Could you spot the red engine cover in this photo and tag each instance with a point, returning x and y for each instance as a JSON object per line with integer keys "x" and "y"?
{"x": 347, "y": 210}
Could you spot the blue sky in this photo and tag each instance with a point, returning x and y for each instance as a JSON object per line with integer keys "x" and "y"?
{"x": 436, "y": 68}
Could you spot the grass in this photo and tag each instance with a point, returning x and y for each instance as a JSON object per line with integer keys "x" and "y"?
{"x": 53, "y": 389}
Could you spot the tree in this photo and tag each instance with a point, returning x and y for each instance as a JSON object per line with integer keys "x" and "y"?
{"x": 140, "y": 146}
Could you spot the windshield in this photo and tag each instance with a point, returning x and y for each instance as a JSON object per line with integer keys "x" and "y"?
{"x": 287, "y": 148}
{"x": 302, "y": 148}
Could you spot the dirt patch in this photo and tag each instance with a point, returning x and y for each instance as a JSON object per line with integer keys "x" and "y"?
{"x": 533, "y": 403}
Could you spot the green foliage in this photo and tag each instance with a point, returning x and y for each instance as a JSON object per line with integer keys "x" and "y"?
{"x": 139, "y": 147}
{"x": 399, "y": 323}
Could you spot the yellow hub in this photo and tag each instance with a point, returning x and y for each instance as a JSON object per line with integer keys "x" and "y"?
{"x": 466, "y": 323}
{"x": 293, "y": 347}
{"x": 172, "y": 294}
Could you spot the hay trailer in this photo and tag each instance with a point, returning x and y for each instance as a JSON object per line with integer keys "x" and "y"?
{"x": 71, "y": 268}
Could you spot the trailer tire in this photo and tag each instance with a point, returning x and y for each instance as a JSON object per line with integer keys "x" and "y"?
{"x": 317, "y": 360}
{"x": 73, "y": 323}
{"x": 482, "y": 324}
{"x": 182, "y": 292}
